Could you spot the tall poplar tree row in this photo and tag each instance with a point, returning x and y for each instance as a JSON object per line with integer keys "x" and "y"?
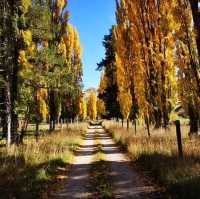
{"x": 142, "y": 43}
{"x": 157, "y": 59}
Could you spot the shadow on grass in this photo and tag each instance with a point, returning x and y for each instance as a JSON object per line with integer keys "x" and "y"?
{"x": 21, "y": 181}
{"x": 175, "y": 174}
{"x": 28, "y": 182}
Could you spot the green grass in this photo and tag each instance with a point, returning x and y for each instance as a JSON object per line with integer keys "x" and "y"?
{"x": 31, "y": 170}
{"x": 158, "y": 157}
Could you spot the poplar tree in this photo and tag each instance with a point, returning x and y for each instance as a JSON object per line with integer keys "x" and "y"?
{"x": 92, "y": 105}
{"x": 157, "y": 61}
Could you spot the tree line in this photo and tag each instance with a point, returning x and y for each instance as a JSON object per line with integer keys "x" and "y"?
{"x": 40, "y": 66}
{"x": 152, "y": 62}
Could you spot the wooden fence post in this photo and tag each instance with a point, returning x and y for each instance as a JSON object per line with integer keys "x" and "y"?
{"x": 179, "y": 139}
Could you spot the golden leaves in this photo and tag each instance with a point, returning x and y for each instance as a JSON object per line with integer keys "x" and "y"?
{"x": 31, "y": 48}
{"x": 22, "y": 57}
{"x": 62, "y": 48}
{"x": 101, "y": 109}
{"x": 42, "y": 95}
{"x": 92, "y": 105}
{"x": 27, "y": 37}
{"x": 144, "y": 54}
{"x": 25, "y": 4}
{"x": 82, "y": 108}
{"x": 125, "y": 100}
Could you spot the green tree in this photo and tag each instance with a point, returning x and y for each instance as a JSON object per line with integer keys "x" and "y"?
{"x": 108, "y": 87}
{"x": 12, "y": 18}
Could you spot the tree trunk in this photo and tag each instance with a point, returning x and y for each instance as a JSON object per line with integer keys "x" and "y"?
{"x": 53, "y": 109}
{"x": 147, "y": 124}
{"x": 165, "y": 118}
{"x": 9, "y": 137}
{"x": 8, "y": 111}
{"x": 158, "y": 119}
{"x": 54, "y": 125}
{"x": 194, "y": 124}
{"x": 14, "y": 127}
{"x": 127, "y": 124}
{"x": 4, "y": 125}
{"x": 37, "y": 130}
{"x": 193, "y": 114}
{"x": 25, "y": 125}
{"x": 135, "y": 122}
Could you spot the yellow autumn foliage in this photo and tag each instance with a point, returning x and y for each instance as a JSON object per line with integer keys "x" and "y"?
{"x": 62, "y": 48}
{"x": 42, "y": 95}
{"x": 83, "y": 108}
{"x": 31, "y": 48}
{"x": 92, "y": 106}
{"x": 22, "y": 57}
{"x": 25, "y": 4}
{"x": 125, "y": 100}
{"x": 101, "y": 109}
{"x": 27, "y": 36}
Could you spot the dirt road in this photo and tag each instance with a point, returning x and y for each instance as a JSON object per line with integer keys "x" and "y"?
{"x": 126, "y": 182}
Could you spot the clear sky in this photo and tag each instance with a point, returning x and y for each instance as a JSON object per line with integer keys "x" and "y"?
{"x": 93, "y": 19}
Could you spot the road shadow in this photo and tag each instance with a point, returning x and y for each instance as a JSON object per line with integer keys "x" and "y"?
{"x": 21, "y": 181}
{"x": 30, "y": 182}
{"x": 130, "y": 184}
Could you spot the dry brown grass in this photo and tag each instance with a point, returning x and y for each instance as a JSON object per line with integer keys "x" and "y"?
{"x": 28, "y": 170}
{"x": 158, "y": 157}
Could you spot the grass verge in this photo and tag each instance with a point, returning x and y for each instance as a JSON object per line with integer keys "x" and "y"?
{"x": 157, "y": 157}
{"x": 100, "y": 178}
{"x": 31, "y": 170}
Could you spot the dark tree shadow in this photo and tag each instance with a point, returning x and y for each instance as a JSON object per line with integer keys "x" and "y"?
{"x": 169, "y": 171}
{"x": 21, "y": 181}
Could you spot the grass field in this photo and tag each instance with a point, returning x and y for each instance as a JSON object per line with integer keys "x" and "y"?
{"x": 157, "y": 156}
{"x": 30, "y": 170}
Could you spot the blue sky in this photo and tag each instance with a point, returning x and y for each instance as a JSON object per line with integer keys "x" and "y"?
{"x": 93, "y": 19}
